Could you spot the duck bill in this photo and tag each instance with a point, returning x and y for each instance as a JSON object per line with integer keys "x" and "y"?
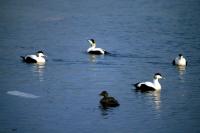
{"x": 90, "y": 42}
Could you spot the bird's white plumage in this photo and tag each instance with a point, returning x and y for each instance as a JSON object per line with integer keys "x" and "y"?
{"x": 32, "y": 57}
{"x": 150, "y": 84}
{"x": 181, "y": 61}
{"x": 95, "y": 49}
{"x": 39, "y": 59}
{"x": 155, "y": 84}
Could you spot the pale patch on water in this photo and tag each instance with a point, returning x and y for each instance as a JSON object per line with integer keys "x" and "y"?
{"x": 22, "y": 94}
{"x": 54, "y": 18}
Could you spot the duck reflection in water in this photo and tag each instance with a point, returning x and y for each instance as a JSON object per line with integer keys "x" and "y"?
{"x": 39, "y": 70}
{"x": 93, "y": 58}
{"x": 154, "y": 97}
{"x": 106, "y": 112}
{"x": 181, "y": 71}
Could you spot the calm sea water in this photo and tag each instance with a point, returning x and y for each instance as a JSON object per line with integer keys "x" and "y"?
{"x": 62, "y": 96}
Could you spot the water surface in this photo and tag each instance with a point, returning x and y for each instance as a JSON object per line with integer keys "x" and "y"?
{"x": 62, "y": 95}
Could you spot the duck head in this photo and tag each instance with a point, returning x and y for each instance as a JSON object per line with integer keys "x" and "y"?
{"x": 158, "y": 76}
{"x": 40, "y": 54}
{"x": 180, "y": 55}
{"x": 92, "y": 42}
{"x": 104, "y": 94}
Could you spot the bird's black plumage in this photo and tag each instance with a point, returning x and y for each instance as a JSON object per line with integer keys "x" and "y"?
{"x": 95, "y": 52}
{"x": 28, "y": 60}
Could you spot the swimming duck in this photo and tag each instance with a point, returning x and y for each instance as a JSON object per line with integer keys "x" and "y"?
{"x": 180, "y": 61}
{"x": 150, "y": 86}
{"x": 94, "y": 50}
{"x": 38, "y": 58}
{"x": 107, "y": 101}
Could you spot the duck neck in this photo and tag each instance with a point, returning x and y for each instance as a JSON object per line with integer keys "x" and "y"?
{"x": 156, "y": 83}
{"x": 93, "y": 45}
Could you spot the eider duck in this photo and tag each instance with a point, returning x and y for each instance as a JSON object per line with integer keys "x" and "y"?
{"x": 94, "y": 50}
{"x": 107, "y": 101}
{"x": 38, "y": 58}
{"x": 180, "y": 61}
{"x": 149, "y": 86}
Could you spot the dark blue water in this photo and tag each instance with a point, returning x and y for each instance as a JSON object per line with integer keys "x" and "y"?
{"x": 62, "y": 96}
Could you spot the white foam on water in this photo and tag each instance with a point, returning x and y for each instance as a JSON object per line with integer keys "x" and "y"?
{"x": 22, "y": 94}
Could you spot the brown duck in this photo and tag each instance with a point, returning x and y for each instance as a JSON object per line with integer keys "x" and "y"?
{"x": 107, "y": 101}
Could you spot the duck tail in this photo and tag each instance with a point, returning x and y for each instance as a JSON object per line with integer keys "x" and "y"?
{"x": 173, "y": 62}
{"x": 106, "y": 52}
{"x": 135, "y": 84}
{"x": 23, "y": 58}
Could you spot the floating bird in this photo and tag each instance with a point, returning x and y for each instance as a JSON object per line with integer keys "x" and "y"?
{"x": 94, "y": 50}
{"x": 38, "y": 58}
{"x": 180, "y": 61}
{"x": 107, "y": 101}
{"x": 149, "y": 86}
